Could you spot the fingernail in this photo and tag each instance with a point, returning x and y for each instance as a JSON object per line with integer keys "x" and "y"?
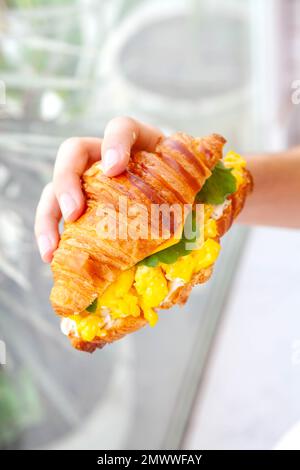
{"x": 111, "y": 159}
{"x": 45, "y": 245}
{"x": 67, "y": 204}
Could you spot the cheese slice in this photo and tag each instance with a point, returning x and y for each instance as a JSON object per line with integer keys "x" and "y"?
{"x": 172, "y": 241}
{"x": 178, "y": 233}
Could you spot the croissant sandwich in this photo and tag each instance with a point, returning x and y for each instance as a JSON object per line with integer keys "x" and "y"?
{"x": 110, "y": 282}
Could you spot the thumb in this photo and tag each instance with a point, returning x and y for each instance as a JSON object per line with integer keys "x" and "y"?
{"x": 119, "y": 137}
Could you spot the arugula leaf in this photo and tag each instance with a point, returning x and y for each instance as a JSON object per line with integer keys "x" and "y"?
{"x": 216, "y": 189}
{"x": 172, "y": 253}
{"x": 218, "y": 186}
{"x": 93, "y": 306}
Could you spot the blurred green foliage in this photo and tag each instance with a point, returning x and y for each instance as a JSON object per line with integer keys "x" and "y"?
{"x": 20, "y": 405}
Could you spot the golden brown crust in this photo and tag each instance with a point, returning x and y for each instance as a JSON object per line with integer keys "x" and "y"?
{"x": 181, "y": 294}
{"x": 238, "y": 200}
{"x": 122, "y": 327}
{"x": 85, "y": 263}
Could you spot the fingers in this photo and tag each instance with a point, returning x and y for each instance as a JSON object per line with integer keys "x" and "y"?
{"x": 120, "y": 136}
{"x": 48, "y": 215}
{"x": 64, "y": 196}
{"x": 74, "y": 156}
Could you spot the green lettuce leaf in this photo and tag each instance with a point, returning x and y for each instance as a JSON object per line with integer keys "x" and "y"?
{"x": 216, "y": 189}
{"x": 218, "y": 186}
{"x": 93, "y": 307}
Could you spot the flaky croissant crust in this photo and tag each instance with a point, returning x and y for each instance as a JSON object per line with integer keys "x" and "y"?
{"x": 124, "y": 326}
{"x": 84, "y": 264}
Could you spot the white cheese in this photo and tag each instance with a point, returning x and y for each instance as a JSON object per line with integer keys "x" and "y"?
{"x": 173, "y": 286}
{"x": 219, "y": 209}
{"x": 68, "y": 326}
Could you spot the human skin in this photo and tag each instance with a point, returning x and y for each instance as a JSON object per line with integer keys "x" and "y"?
{"x": 275, "y": 199}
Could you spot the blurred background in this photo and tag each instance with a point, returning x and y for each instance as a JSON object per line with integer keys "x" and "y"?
{"x": 224, "y": 372}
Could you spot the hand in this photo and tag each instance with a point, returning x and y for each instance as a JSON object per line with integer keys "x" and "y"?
{"x": 64, "y": 196}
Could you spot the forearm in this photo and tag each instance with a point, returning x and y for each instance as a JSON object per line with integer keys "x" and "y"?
{"x": 276, "y": 196}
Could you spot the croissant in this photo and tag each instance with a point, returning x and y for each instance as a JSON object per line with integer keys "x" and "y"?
{"x": 106, "y": 287}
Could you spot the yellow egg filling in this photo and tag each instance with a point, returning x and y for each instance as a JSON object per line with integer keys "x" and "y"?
{"x": 89, "y": 325}
{"x": 237, "y": 163}
{"x": 141, "y": 289}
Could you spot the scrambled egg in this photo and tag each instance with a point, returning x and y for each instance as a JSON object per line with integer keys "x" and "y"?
{"x": 237, "y": 163}
{"x": 152, "y": 287}
{"x": 210, "y": 229}
{"x": 88, "y": 325}
{"x": 182, "y": 269}
{"x": 120, "y": 298}
{"x": 118, "y": 301}
{"x": 141, "y": 289}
